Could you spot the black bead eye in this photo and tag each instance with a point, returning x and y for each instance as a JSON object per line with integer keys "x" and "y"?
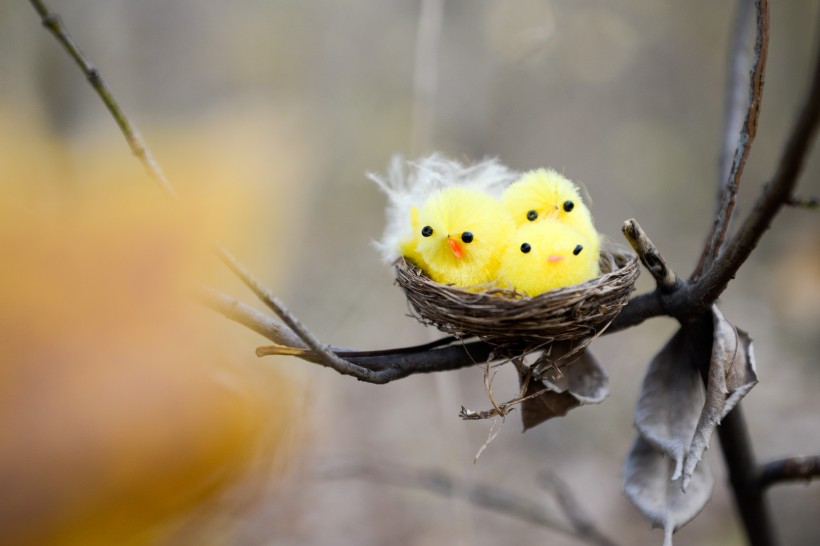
{"x": 532, "y": 215}
{"x": 426, "y": 231}
{"x": 525, "y": 248}
{"x": 578, "y": 250}
{"x": 568, "y": 206}
{"x": 467, "y": 237}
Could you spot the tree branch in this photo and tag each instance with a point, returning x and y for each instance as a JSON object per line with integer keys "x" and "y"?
{"x": 774, "y": 195}
{"x": 737, "y": 89}
{"x": 792, "y": 469}
{"x": 716, "y": 237}
{"x": 486, "y": 496}
{"x": 54, "y": 24}
{"x": 740, "y": 463}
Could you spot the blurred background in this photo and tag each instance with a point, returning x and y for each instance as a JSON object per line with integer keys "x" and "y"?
{"x": 130, "y": 416}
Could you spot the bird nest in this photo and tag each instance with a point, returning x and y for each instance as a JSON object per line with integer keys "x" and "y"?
{"x": 509, "y": 319}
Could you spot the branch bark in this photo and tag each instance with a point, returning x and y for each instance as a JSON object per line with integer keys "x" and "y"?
{"x": 792, "y": 469}
{"x": 774, "y": 195}
{"x": 55, "y": 26}
{"x": 740, "y": 463}
{"x": 726, "y": 205}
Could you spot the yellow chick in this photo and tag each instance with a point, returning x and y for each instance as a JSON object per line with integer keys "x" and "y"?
{"x": 408, "y": 247}
{"x": 547, "y": 255}
{"x": 408, "y": 185}
{"x": 545, "y": 194}
{"x": 462, "y": 236}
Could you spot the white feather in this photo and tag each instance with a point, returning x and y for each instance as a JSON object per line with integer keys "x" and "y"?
{"x": 408, "y": 184}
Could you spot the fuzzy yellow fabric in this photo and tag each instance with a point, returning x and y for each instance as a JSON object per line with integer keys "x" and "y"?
{"x": 448, "y": 256}
{"x": 545, "y": 191}
{"x": 544, "y": 256}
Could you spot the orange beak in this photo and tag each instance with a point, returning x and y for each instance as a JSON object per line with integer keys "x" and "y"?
{"x": 555, "y": 258}
{"x": 455, "y": 247}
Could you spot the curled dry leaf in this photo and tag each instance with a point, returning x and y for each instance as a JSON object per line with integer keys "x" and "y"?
{"x": 582, "y": 382}
{"x": 732, "y": 374}
{"x": 661, "y": 500}
{"x": 671, "y": 397}
{"x": 675, "y": 418}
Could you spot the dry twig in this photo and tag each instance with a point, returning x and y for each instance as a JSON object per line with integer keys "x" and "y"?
{"x": 486, "y": 496}
{"x": 728, "y": 192}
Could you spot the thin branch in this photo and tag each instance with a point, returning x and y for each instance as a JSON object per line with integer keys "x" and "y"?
{"x": 650, "y": 257}
{"x": 737, "y": 89}
{"x": 792, "y": 469}
{"x": 249, "y": 317}
{"x": 390, "y": 364}
{"x": 744, "y": 143}
{"x": 324, "y": 354}
{"x": 54, "y": 24}
{"x": 486, "y": 496}
{"x": 797, "y": 201}
{"x": 774, "y": 195}
{"x": 579, "y": 519}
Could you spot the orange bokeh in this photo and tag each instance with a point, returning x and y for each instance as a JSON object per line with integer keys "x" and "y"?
{"x": 123, "y": 404}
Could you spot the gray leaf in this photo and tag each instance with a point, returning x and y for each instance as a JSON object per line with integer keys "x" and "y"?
{"x": 583, "y": 381}
{"x": 732, "y": 374}
{"x": 671, "y": 398}
{"x": 662, "y": 501}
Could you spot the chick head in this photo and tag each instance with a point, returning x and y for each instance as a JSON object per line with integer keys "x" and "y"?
{"x": 547, "y": 255}
{"x": 462, "y": 236}
{"x": 545, "y": 194}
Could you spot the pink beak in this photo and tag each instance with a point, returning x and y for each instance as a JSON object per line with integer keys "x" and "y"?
{"x": 555, "y": 258}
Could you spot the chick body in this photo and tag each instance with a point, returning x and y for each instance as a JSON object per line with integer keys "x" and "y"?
{"x": 544, "y": 194}
{"x": 462, "y": 236}
{"x": 547, "y": 255}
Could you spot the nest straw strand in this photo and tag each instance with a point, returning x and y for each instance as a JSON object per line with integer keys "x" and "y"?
{"x": 510, "y": 319}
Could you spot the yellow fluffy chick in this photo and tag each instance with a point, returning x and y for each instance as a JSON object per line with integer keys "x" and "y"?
{"x": 408, "y": 185}
{"x": 547, "y": 255}
{"x": 545, "y": 194}
{"x": 462, "y": 236}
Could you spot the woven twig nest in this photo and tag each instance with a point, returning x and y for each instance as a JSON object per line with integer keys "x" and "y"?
{"x": 509, "y": 319}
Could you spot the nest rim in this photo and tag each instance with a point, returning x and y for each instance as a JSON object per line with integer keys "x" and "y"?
{"x": 504, "y": 317}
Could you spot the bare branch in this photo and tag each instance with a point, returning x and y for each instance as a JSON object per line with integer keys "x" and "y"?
{"x": 792, "y": 469}
{"x": 249, "y": 317}
{"x": 811, "y": 203}
{"x": 737, "y": 89}
{"x": 774, "y": 195}
{"x": 54, "y": 24}
{"x": 486, "y": 496}
{"x": 324, "y": 354}
{"x": 714, "y": 241}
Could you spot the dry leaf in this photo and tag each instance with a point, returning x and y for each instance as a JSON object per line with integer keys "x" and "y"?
{"x": 582, "y": 382}
{"x": 732, "y": 374}
{"x": 585, "y": 379}
{"x": 671, "y": 397}
{"x": 661, "y": 500}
